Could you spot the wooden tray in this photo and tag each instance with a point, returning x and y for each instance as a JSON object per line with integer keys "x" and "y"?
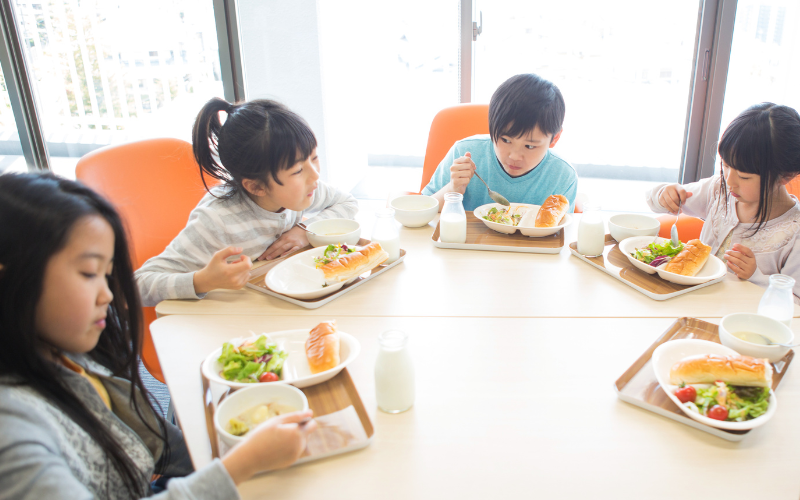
{"x": 480, "y": 237}
{"x": 614, "y": 263}
{"x": 638, "y": 385}
{"x": 258, "y": 275}
{"x": 336, "y": 394}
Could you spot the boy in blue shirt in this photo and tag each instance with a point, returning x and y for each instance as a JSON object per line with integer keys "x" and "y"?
{"x": 525, "y": 118}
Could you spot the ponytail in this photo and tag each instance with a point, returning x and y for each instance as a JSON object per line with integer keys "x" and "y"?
{"x": 205, "y": 132}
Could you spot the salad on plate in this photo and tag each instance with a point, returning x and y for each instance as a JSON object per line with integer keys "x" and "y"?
{"x": 722, "y": 401}
{"x": 252, "y": 362}
{"x": 656, "y": 254}
{"x": 332, "y": 253}
{"x": 505, "y": 216}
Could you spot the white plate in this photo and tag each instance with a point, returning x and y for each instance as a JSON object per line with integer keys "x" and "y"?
{"x": 298, "y": 277}
{"x": 713, "y": 268}
{"x": 669, "y": 353}
{"x": 526, "y": 223}
{"x": 295, "y": 368}
{"x": 629, "y": 245}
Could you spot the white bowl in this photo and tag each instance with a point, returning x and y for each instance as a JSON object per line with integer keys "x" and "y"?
{"x": 298, "y": 277}
{"x": 296, "y": 370}
{"x": 332, "y": 231}
{"x": 755, "y": 323}
{"x": 415, "y": 210}
{"x": 669, "y": 353}
{"x": 622, "y": 226}
{"x": 255, "y": 395}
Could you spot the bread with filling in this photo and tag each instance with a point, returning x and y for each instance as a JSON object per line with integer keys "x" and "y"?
{"x": 734, "y": 370}
{"x": 690, "y": 260}
{"x": 352, "y": 264}
{"x": 552, "y": 210}
{"x": 322, "y": 347}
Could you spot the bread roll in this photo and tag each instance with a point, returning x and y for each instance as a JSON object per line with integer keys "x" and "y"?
{"x": 352, "y": 264}
{"x": 553, "y": 209}
{"x": 734, "y": 370}
{"x": 322, "y": 347}
{"x": 690, "y": 260}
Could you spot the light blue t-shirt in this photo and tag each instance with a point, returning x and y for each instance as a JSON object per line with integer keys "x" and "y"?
{"x": 552, "y": 176}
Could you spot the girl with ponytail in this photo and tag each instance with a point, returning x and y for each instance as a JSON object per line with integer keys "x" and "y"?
{"x": 75, "y": 419}
{"x": 265, "y": 159}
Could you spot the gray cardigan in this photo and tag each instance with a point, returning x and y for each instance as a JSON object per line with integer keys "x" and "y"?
{"x": 44, "y": 454}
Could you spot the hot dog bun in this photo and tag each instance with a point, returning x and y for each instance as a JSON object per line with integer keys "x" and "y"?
{"x": 352, "y": 264}
{"x": 553, "y": 209}
{"x": 690, "y": 260}
{"x": 322, "y": 347}
{"x": 734, "y": 370}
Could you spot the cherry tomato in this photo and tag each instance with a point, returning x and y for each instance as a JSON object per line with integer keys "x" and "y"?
{"x": 718, "y": 412}
{"x": 686, "y": 394}
{"x": 267, "y": 377}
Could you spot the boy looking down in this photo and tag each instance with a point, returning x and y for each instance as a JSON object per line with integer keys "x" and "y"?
{"x": 526, "y": 114}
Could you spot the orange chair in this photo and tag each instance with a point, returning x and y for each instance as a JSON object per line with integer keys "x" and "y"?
{"x": 794, "y": 186}
{"x": 688, "y": 227}
{"x": 448, "y": 126}
{"x": 154, "y": 184}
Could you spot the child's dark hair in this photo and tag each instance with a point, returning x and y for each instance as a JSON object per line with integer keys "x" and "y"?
{"x": 258, "y": 139}
{"x": 39, "y": 212}
{"x": 764, "y": 140}
{"x": 521, "y": 103}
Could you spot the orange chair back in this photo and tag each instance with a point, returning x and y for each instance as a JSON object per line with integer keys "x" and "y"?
{"x": 154, "y": 184}
{"x": 448, "y": 126}
{"x": 688, "y": 227}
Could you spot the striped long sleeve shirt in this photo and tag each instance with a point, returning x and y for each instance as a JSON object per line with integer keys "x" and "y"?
{"x": 216, "y": 223}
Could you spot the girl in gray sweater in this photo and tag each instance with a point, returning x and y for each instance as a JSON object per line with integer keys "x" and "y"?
{"x": 75, "y": 420}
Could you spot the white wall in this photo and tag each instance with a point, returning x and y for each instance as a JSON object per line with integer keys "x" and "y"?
{"x": 282, "y": 61}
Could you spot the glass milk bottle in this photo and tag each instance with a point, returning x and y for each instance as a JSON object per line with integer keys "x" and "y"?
{"x": 453, "y": 221}
{"x": 591, "y": 232}
{"x": 387, "y": 233}
{"x": 394, "y": 373}
{"x": 778, "y": 300}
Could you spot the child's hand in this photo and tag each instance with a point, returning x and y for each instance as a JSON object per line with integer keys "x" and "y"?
{"x": 741, "y": 260}
{"x": 222, "y": 274}
{"x": 291, "y": 240}
{"x": 275, "y": 444}
{"x": 461, "y": 172}
{"x": 672, "y": 197}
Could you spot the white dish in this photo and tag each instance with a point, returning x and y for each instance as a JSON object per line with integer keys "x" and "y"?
{"x": 415, "y": 210}
{"x": 332, "y": 231}
{"x": 622, "y": 226}
{"x": 669, "y": 353}
{"x": 295, "y": 368}
{"x": 629, "y": 245}
{"x": 298, "y": 277}
{"x": 250, "y": 397}
{"x": 526, "y": 223}
{"x": 713, "y": 268}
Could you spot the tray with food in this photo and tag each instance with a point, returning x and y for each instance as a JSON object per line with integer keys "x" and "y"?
{"x": 481, "y": 237}
{"x": 671, "y": 277}
{"x": 252, "y": 379}
{"x": 312, "y": 277}
{"x": 689, "y": 376}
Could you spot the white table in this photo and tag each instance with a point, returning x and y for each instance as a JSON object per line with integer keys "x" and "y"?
{"x": 461, "y": 283}
{"x": 505, "y": 408}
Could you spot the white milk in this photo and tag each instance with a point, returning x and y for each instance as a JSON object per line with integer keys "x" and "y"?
{"x": 591, "y": 235}
{"x": 782, "y": 314}
{"x": 394, "y": 373}
{"x": 391, "y": 245}
{"x": 453, "y": 228}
